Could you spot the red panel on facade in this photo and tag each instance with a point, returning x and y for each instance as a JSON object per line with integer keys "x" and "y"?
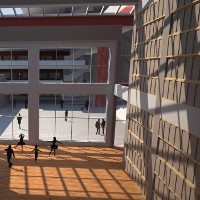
{"x": 127, "y": 9}
{"x": 101, "y": 73}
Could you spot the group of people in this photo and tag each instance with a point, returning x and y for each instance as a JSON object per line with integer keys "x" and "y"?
{"x": 100, "y": 125}
{"x": 21, "y": 142}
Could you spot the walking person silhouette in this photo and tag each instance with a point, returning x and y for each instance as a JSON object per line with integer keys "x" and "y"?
{"x": 10, "y": 152}
{"x": 36, "y": 152}
{"x": 54, "y": 146}
{"x": 19, "y": 119}
{"x": 21, "y": 141}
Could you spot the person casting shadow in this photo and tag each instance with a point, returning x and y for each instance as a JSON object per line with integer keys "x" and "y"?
{"x": 36, "y": 152}
{"x": 21, "y": 141}
{"x": 54, "y": 146}
{"x": 10, "y": 152}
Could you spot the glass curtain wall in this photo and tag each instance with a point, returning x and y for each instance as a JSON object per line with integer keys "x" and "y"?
{"x": 68, "y": 117}
{"x": 74, "y": 65}
{"x": 14, "y": 64}
{"x": 13, "y": 116}
{"x": 72, "y": 117}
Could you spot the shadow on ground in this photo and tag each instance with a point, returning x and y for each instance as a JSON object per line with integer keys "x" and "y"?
{"x": 74, "y": 173}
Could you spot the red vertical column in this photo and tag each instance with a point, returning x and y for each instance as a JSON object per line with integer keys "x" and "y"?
{"x": 101, "y": 73}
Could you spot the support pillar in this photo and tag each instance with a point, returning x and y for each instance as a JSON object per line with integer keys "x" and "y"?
{"x": 33, "y": 96}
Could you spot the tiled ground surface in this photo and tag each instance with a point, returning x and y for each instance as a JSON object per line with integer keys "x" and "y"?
{"x": 74, "y": 173}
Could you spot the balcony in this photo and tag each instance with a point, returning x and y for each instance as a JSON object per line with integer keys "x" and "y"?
{"x": 63, "y": 64}
{"x": 14, "y": 64}
{"x": 44, "y": 64}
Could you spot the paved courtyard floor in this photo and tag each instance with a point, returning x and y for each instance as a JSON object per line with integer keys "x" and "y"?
{"x": 80, "y": 125}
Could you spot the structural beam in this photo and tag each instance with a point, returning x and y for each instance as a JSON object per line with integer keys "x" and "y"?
{"x": 60, "y": 3}
{"x": 67, "y": 21}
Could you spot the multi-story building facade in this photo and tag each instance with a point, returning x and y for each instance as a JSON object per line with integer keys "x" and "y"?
{"x": 67, "y": 59}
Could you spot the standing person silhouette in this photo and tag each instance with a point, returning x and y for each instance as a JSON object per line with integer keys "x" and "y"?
{"x": 66, "y": 115}
{"x": 97, "y": 125}
{"x": 86, "y": 104}
{"x": 54, "y": 146}
{"x": 36, "y": 152}
{"x": 21, "y": 141}
{"x": 19, "y": 119}
{"x": 10, "y": 152}
{"x": 26, "y": 103}
{"x": 103, "y": 125}
{"x": 61, "y": 104}
{"x": 14, "y": 103}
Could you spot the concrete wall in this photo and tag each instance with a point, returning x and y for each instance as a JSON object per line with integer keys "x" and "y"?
{"x": 121, "y": 91}
{"x": 125, "y": 55}
{"x": 60, "y": 33}
{"x": 163, "y": 136}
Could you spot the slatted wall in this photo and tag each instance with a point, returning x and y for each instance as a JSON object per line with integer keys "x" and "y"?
{"x": 166, "y": 64}
{"x": 138, "y": 145}
{"x": 182, "y": 81}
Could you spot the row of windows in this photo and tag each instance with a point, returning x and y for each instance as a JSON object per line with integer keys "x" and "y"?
{"x": 69, "y": 65}
{"x": 90, "y": 74}
{"x": 66, "y": 117}
{"x": 90, "y": 55}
